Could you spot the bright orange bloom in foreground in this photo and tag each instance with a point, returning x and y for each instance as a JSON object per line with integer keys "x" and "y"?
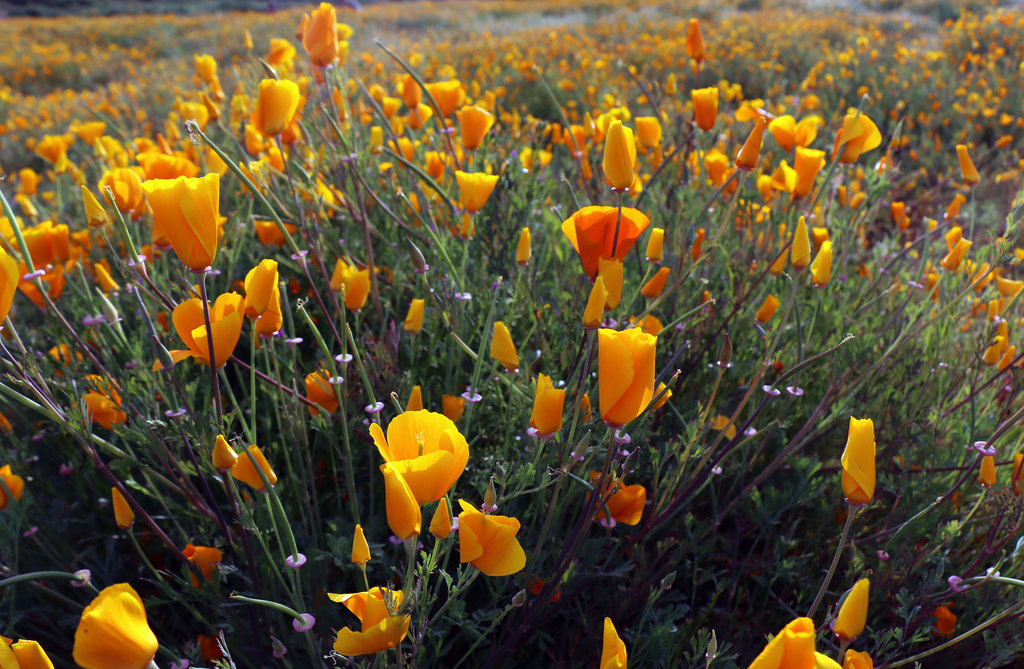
{"x": 113, "y": 632}
{"x": 24, "y": 654}
{"x": 793, "y": 647}
{"x": 475, "y": 189}
{"x": 548, "y": 401}
{"x": 187, "y": 211}
{"x": 592, "y": 232}
{"x": 14, "y": 483}
{"x": 613, "y": 650}
{"x": 275, "y": 109}
{"x": 379, "y": 629}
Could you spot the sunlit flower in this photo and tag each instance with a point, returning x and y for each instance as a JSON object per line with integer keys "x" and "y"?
{"x": 489, "y": 543}
{"x": 625, "y": 373}
{"x": 380, "y": 629}
{"x": 113, "y": 632}
{"x": 426, "y": 449}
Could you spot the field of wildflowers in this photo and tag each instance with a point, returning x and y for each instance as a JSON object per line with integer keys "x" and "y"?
{"x": 499, "y": 334}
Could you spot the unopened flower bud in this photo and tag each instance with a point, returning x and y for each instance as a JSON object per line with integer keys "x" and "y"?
{"x": 666, "y": 583}
{"x": 725, "y": 353}
{"x": 519, "y": 599}
{"x": 490, "y": 497}
{"x": 419, "y": 263}
{"x": 629, "y": 465}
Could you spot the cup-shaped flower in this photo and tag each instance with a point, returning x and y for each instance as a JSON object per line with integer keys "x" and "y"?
{"x": 502, "y": 347}
{"x": 448, "y": 95}
{"x": 354, "y": 281}
{"x": 24, "y": 654}
{"x": 746, "y": 159}
{"x": 613, "y": 650}
{"x": 474, "y": 122}
{"x": 276, "y": 106}
{"x": 598, "y": 232}
{"x": 204, "y": 557}
{"x": 489, "y": 542}
{"x": 13, "y": 482}
{"x": 857, "y": 660}
{"x": 821, "y": 268}
{"x": 475, "y": 189}
{"x": 627, "y": 503}
{"x": 95, "y": 214}
{"x": 619, "y": 156}
{"x": 9, "y": 279}
{"x": 123, "y": 514}
{"x": 987, "y": 474}
{"x": 225, "y": 325}
{"x": 705, "y": 106}
{"x": 187, "y": 211}
{"x": 793, "y": 647}
{"x": 380, "y": 630}
{"x": 320, "y": 38}
{"x": 648, "y": 132}
{"x": 259, "y": 287}
{"x": 807, "y": 163}
{"x": 113, "y": 632}
{"x": 800, "y": 250}
{"x": 967, "y": 169}
{"x": 858, "y": 135}
{"x": 224, "y": 457}
{"x": 548, "y": 401}
{"x": 360, "y": 549}
{"x": 593, "y": 313}
{"x": 245, "y": 469}
{"x": 404, "y": 516}
{"x": 951, "y": 261}
{"x": 441, "y": 522}
{"x": 125, "y": 183}
{"x": 426, "y": 450}
{"x": 414, "y": 318}
{"x": 859, "y": 461}
{"x": 625, "y": 373}
{"x": 853, "y": 614}
{"x": 695, "y": 41}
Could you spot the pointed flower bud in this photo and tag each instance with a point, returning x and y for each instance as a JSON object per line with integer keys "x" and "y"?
{"x": 853, "y": 613}
{"x": 619, "y": 156}
{"x": 360, "y": 549}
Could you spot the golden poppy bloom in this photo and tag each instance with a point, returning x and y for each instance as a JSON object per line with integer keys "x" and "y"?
{"x": 593, "y": 313}
{"x": 790, "y": 134}
{"x": 426, "y": 449}
{"x": 126, "y": 185}
{"x": 354, "y": 281}
{"x": 204, "y": 557}
{"x": 489, "y": 542}
{"x": 95, "y": 214}
{"x": 441, "y": 522}
{"x": 474, "y": 123}
{"x": 225, "y": 324}
{"x": 260, "y": 283}
{"x": 656, "y": 285}
{"x": 859, "y": 461}
{"x": 113, "y": 632}
{"x": 224, "y": 457}
{"x": 857, "y": 660}
{"x": 625, "y": 373}
{"x": 626, "y": 504}
{"x": 379, "y": 629}
{"x": 613, "y": 650}
{"x": 945, "y": 621}
{"x": 187, "y": 211}
{"x": 987, "y": 473}
{"x": 166, "y": 166}
{"x": 592, "y": 232}
{"x": 23, "y": 654}
{"x": 705, "y": 107}
{"x": 648, "y": 132}
{"x": 853, "y": 614}
{"x": 245, "y": 471}
{"x": 695, "y": 41}
{"x": 276, "y": 106}
{"x": 319, "y": 390}
{"x": 793, "y": 647}
{"x": 749, "y": 153}
{"x": 414, "y": 318}
{"x": 53, "y": 148}
{"x": 619, "y": 156}
{"x": 453, "y": 406}
{"x": 448, "y": 95}
{"x": 123, "y": 514}
{"x": 475, "y": 189}
{"x": 858, "y": 135}
{"x": 967, "y": 169}
{"x": 103, "y": 402}
{"x": 320, "y": 37}
{"x": 806, "y": 163}
{"x": 403, "y": 511}
{"x": 548, "y": 401}
{"x": 503, "y": 349}
{"x": 523, "y": 247}
{"x": 14, "y": 483}
{"x": 655, "y": 245}
{"x": 800, "y": 249}
{"x": 821, "y": 268}
{"x": 9, "y": 279}
{"x": 767, "y": 309}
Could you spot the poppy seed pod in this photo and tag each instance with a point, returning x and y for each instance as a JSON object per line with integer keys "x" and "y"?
{"x": 619, "y": 156}
{"x": 625, "y": 373}
{"x": 858, "y": 461}
{"x": 276, "y": 106}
